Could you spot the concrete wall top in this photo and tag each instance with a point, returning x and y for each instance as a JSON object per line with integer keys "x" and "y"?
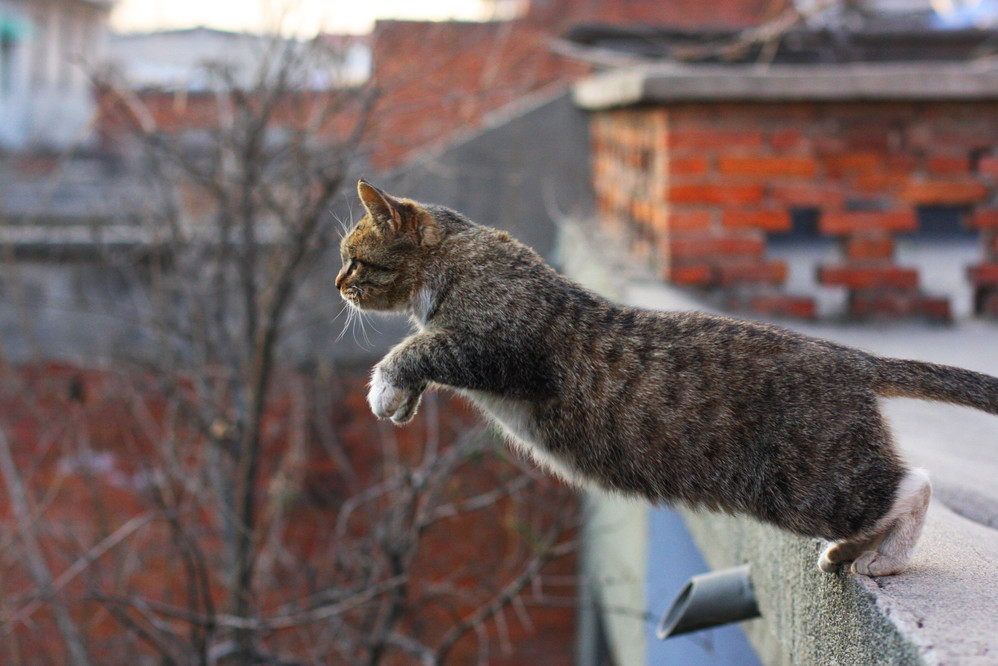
{"x": 673, "y": 83}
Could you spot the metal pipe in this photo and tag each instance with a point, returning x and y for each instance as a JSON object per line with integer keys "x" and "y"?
{"x": 710, "y": 600}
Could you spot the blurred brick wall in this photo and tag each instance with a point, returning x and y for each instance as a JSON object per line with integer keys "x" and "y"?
{"x": 693, "y": 14}
{"x": 87, "y": 441}
{"x": 696, "y": 189}
{"x": 437, "y": 79}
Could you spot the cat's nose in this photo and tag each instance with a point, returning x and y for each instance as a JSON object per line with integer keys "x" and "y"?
{"x": 340, "y": 277}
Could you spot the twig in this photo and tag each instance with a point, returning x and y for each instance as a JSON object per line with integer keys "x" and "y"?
{"x": 35, "y": 556}
{"x": 78, "y": 567}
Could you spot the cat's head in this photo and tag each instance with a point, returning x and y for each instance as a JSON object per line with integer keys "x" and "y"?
{"x": 384, "y": 254}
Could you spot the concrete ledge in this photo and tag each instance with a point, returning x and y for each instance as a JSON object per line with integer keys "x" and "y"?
{"x": 941, "y": 611}
{"x": 672, "y": 83}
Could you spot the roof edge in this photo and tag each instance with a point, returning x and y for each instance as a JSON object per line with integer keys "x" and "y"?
{"x": 674, "y": 83}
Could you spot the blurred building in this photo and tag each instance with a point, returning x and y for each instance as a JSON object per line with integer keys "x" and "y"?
{"x": 443, "y": 79}
{"x": 47, "y": 48}
{"x": 182, "y": 59}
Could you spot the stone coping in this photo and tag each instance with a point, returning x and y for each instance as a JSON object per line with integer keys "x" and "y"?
{"x": 677, "y": 83}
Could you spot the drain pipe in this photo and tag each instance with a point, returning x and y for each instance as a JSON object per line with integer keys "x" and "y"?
{"x": 710, "y": 600}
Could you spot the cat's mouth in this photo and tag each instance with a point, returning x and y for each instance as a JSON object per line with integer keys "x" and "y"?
{"x": 360, "y": 299}
{"x": 352, "y": 295}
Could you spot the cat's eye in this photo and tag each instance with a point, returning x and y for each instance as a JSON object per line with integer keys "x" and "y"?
{"x": 369, "y": 265}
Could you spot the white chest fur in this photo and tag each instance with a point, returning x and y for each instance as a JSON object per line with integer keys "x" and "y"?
{"x": 516, "y": 422}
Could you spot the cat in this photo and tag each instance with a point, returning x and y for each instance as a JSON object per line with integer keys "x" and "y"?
{"x": 684, "y": 407}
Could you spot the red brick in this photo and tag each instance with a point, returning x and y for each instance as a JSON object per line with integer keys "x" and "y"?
{"x": 937, "y": 309}
{"x": 784, "y": 139}
{"x": 880, "y": 182}
{"x": 736, "y": 273}
{"x": 715, "y": 193}
{"x": 690, "y": 219}
{"x": 868, "y": 277}
{"x": 765, "y": 167}
{"x": 864, "y": 247}
{"x": 712, "y": 140}
{"x": 984, "y": 274}
{"x": 943, "y": 193}
{"x": 691, "y": 275}
{"x": 964, "y": 136}
{"x": 895, "y": 305}
{"x": 693, "y": 165}
{"x": 807, "y": 194}
{"x": 988, "y": 166}
{"x": 784, "y": 305}
{"x": 766, "y": 220}
{"x": 947, "y": 164}
{"x": 898, "y": 162}
{"x": 867, "y": 137}
{"x": 852, "y": 163}
{"x": 985, "y": 218}
{"x": 838, "y": 223}
{"x": 703, "y": 246}
{"x": 828, "y": 144}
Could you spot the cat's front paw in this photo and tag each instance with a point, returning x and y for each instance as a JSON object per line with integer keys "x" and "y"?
{"x": 391, "y": 402}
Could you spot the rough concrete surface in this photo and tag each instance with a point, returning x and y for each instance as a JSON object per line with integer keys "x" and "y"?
{"x": 944, "y": 608}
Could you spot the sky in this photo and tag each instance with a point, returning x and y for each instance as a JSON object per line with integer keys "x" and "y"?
{"x": 304, "y": 16}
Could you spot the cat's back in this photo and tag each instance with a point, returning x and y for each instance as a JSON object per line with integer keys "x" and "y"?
{"x": 489, "y": 277}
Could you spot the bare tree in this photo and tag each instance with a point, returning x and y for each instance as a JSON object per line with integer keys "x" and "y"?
{"x": 209, "y": 536}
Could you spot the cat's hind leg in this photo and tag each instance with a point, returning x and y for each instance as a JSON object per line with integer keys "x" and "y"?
{"x": 901, "y": 528}
{"x": 846, "y": 551}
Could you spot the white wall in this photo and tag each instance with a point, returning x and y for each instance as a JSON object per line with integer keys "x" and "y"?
{"x": 46, "y": 99}
{"x": 175, "y": 59}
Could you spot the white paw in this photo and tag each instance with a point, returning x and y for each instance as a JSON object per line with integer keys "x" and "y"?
{"x": 391, "y": 402}
{"x": 825, "y": 563}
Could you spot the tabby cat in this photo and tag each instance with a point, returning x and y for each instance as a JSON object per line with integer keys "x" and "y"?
{"x": 695, "y": 408}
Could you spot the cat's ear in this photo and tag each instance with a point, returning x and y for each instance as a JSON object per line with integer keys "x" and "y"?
{"x": 384, "y": 210}
{"x": 395, "y": 217}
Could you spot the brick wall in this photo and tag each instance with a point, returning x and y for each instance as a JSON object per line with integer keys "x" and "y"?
{"x": 439, "y": 78}
{"x": 697, "y": 189}
{"x": 672, "y": 13}
{"x": 436, "y": 79}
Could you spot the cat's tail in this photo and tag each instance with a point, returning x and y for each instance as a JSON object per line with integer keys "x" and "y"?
{"x": 895, "y": 377}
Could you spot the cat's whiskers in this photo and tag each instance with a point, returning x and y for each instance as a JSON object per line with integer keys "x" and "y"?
{"x": 356, "y": 317}
{"x": 344, "y": 225}
{"x": 346, "y": 307}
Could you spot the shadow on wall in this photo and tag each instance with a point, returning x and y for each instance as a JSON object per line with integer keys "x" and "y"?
{"x": 519, "y": 174}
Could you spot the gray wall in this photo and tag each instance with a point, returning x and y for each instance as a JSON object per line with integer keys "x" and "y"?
{"x": 518, "y": 175}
